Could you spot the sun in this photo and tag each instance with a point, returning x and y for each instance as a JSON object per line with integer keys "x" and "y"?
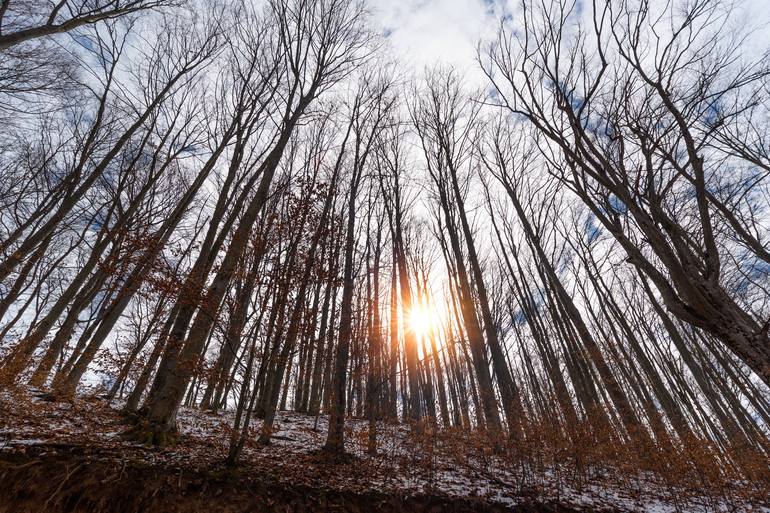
{"x": 420, "y": 320}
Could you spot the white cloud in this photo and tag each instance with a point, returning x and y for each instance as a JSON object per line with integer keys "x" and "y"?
{"x": 423, "y": 33}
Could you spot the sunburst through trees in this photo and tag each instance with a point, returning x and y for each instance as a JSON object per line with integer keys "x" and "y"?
{"x": 559, "y": 259}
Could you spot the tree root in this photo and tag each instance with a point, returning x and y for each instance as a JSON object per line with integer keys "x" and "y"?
{"x": 151, "y": 434}
{"x": 325, "y": 455}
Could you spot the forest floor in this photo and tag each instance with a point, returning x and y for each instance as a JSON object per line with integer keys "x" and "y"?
{"x": 70, "y": 456}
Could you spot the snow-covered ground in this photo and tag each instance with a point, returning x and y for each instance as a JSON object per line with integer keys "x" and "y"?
{"x": 405, "y": 464}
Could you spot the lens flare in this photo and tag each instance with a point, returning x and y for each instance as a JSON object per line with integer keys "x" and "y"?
{"x": 420, "y": 320}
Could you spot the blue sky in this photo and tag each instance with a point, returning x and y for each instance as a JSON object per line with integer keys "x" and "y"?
{"x": 426, "y": 32}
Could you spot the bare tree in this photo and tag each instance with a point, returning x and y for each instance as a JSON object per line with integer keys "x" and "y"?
{"x": 25, "y": 20}
{"x": 626, "y": 112}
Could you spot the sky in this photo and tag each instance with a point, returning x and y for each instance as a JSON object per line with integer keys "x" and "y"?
{"x": 427, "y": 32}
{"x": 423, "y": 33}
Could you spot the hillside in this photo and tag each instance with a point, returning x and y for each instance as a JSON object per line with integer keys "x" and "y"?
{"x": 71, "y": 457}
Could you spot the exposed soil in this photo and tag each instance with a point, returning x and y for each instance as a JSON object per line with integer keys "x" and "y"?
{"x": 73, "y": 457}
{"x": 75, "y": 479}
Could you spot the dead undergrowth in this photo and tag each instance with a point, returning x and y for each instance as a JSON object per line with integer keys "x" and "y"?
{"x": 72, "y": 456}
